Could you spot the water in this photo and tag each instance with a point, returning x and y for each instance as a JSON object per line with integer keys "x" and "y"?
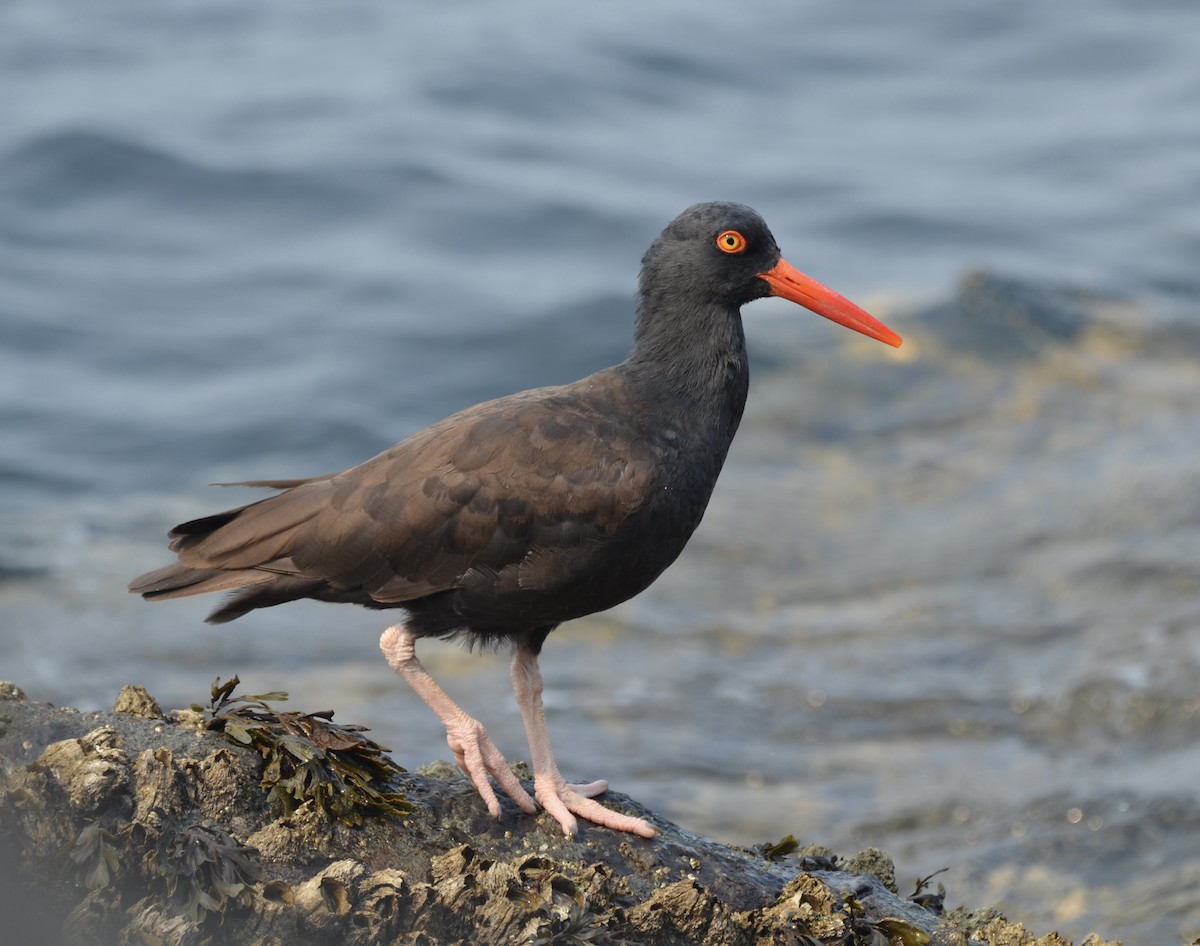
{"x": 944, "y": 601}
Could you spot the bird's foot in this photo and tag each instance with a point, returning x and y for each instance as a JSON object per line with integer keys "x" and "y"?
{"x": 478, "y": 756}
{"x": 563, "y": 802}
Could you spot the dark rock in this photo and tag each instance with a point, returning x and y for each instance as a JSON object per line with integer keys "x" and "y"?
{"x": 127, "y": 827}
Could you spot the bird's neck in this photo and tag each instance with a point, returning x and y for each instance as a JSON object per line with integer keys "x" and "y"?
{"x": 694, "y": 360}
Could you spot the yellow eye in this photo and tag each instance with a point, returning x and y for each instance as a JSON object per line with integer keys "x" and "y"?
{"x": 731, "y": 242}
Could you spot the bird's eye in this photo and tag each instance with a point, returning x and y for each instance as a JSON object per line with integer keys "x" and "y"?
{"x": 731, "y": 241}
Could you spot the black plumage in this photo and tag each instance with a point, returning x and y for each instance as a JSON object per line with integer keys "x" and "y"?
{"x": 512, "y": 516}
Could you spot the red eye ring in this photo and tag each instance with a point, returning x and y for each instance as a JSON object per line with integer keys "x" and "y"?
{"x": 731, "y": 241}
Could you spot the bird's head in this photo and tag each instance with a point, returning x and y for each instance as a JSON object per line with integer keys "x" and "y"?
{"x": 723, "y": 253}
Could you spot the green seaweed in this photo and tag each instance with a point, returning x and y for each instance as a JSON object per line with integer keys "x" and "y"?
{"x": 307, "y": 757}
{"x": 900, "y": 932}
{"x": 779, "y": 849}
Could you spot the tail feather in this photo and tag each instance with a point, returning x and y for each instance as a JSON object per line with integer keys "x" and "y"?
{"x": 273, "y": 484}
{"x": 278, "y": 589}
{"x": 187, "y": 534}
{"x": 243, "y": 550}
{"x": 253, "y": 588}
{"x": 249, "y": 536}
{"x": 182, "y": 581}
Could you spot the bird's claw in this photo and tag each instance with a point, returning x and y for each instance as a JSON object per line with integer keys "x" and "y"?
{"x": 563, "y": 802}
{"x": 477, "y": 757}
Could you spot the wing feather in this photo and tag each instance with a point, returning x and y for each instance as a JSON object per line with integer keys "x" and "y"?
{"x": 521, "y": 492}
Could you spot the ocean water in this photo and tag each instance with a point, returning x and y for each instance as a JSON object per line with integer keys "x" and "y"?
{"x": 945, "y": 599}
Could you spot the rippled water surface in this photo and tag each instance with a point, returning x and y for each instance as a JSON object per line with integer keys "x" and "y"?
{"x": 944, "y": 601}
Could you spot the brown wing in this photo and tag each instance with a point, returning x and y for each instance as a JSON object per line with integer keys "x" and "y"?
{"x": 521, "y": 492}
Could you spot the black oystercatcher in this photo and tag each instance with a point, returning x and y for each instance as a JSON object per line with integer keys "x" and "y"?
{"x": 512, "y": 516}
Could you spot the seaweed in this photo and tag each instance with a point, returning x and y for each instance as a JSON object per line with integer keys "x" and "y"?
{"x": 778, "y": 850}
{"x": 580, "y": 927}
{"x": 808, "y": 857}
{"x": 307, "y": 757}
{"x": 900, "y": 932}
{"x": 886, "y": 931}
{"x": 565, "y": 915}
{"x": 203, "y": 869}
{"x": 94, "y": 853}
{"x": 935, "y": 903}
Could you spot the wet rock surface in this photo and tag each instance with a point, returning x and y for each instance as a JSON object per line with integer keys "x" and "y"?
{"x": 136, "y": 826}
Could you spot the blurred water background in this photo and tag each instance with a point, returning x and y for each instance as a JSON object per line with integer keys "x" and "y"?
{"x": 944, "y": 601}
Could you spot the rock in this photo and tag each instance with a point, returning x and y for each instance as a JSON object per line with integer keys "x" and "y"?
{"x": 133, "y": 827}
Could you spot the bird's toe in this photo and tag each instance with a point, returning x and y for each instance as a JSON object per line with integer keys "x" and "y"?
{"x": 478, "y": 757}
{"x": 566, "y": 804}
{"x": 589, "y": 789}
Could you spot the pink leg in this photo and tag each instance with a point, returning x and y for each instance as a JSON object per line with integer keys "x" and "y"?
{"x": 475, "y": 753}
{"x": 561, "y": 801}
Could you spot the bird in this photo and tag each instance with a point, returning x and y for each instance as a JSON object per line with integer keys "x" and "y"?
{"x": 502, "y": 521}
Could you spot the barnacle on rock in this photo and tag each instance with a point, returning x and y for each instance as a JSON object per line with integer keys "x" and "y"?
{"x": 171, "y": 844}
{"x": 875, "y": 862}
{"x": 307, "y": 757}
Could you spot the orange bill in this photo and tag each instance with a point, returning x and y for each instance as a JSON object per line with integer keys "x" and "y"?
{"x": 789, "y": 283}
